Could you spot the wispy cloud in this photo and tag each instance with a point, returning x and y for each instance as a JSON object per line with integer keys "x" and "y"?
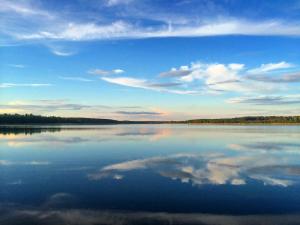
{"x": 19, "y": 66}
{"x": 149, "y": 113}
{"x": 23, "y": 8}
{"x": 145, "y": 84}
{"x": 264, "y": 68}
{"x": 60, "y": 50}
{"x": 27, "y": 20}
{"x": 77, "y": 109}
{"x": 11, "y": 85}
{"x": 125, "y": 30}
{"x": 62, "y": 53}
{"x": 285, "y": 78}
{"x": 267, "y": 100}
{"x": 117, "y": 2}
{"x": 76, "y": 79}
{"x": 102, "y": 72}
{"x": 182, "y": 71}
{"x": 44, "y": 105}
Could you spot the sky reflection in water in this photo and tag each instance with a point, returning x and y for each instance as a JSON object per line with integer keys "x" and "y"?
{"x": 156, "y": 173}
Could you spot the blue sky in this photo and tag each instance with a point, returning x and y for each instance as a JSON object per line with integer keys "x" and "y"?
{"x": 155, "y": 60}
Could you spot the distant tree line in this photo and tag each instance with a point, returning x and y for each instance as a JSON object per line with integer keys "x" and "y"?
{"x": 36, "y": 119}
{"x": 251, "y": 119}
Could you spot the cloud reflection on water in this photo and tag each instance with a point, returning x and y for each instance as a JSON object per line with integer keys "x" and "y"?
{"x": 266, "y": 146}
{"x": 23, "y": 136}
{"x": 241, "y": 158}
{"x": 29, "y": 216}
{"x": 216, "y": 169}
{"x": 4, "y": 162}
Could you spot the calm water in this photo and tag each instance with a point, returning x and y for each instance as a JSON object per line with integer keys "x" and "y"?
{"x": 150, "y": 174}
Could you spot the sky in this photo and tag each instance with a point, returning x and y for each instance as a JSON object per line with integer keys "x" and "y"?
{"x": 150, "y": 60}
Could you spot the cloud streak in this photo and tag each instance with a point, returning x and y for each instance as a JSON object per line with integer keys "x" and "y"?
{"x": 76, "y": 79}
{"x": 148, "y": 85}
{"x": 19, "y": 66}
{"x": 286, "y": 78}
{"x": 41, "y": 105}
{"x": 267, "y": 100}
{"x": 62, "y": 53}
{"x": 12, "y": 85}
{"x": 59, "y": 107}
{"x": 265, "y": 68}
{"x": 124, "y": 30}
{"x": 149, "y": 113}
{"x": 102, "y": 72}
{"x": 22, "y": 8}
{"x": 182, "y": 71}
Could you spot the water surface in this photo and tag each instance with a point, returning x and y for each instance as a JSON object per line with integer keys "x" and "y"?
{"x": 150, "y": 174}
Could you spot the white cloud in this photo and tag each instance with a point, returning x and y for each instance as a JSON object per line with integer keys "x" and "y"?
{"x": 203, "y": 78}
{"x": 221, "y": 77}
{"x": 212, "y": 74}
{"x": 19, "y": 66}
{"x": 182, "y": 71}
{"x": 93, "y": 31}
{"x": 284, "y": 78}
{"x": 62, "y": 53}
{"x": 219, "y": 73}
{"x": 125, "y": 30}
{"x": 60, "y": 50}
{"x": 24, "y": 8}
{"x": 267, "y": 100}
{"x": 117, "y": 2}
{"x": 59, "y": 107}
{"x": 128, "y": 81}
{"x": 145, "y": 84}
{"x": 44, "y": 105}
{"x": 236, "y": 66}
{"x": 118, "y": 71}
{"x": 81, "y": 32}
{"x": 11, "y": 85}
{"x": 145, "y": 113}
{"x": 264, "y": 68}
{"x": 28, "y": 20}
{"x": 76, "y": 79}
{"x": 102, "y": 72}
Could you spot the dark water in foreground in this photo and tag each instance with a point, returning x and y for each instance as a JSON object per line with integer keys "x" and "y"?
{"x": 150, "y": 174}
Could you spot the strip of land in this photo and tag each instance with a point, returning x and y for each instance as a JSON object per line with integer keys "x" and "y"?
{"x": 18, "y": 119}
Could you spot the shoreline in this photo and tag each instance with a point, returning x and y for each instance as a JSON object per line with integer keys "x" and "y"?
{"x": 144, "y": 123}
{"x": 31, "y": 120}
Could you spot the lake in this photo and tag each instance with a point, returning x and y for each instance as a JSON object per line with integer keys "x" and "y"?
{"x": 150, "y": 174}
